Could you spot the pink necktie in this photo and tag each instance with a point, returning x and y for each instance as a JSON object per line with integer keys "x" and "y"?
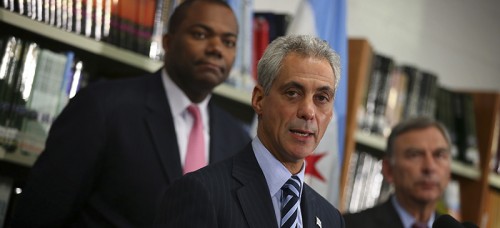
{"x": 195, "y": 155}
{"x": 419, "y": 225}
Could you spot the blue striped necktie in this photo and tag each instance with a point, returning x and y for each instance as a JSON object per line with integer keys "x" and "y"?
{"x": 290, "y": 202}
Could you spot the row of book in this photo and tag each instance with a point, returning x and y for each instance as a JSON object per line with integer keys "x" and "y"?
{"x": 397, "y": 92}
{"x": 367, "y": 188}
{"x": 456, "y": 111}
{"x": 35, "y": 85}
{"x": 365, "y": 183}
{"x": 136, "y": 25}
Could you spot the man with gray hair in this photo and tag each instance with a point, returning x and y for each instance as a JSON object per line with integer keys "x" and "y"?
{"x": 418, "y": 164}
{"x": 263, "y": 185}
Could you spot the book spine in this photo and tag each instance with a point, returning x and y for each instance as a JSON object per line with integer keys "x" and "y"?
{"x": 385, "y": 69}
{"x": 9, "y": 70}
{"x": 97, "y": 19}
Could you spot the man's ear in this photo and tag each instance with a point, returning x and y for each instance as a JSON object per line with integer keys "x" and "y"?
{"x": 257, "y": 97}
{"x": 387, "y": 170}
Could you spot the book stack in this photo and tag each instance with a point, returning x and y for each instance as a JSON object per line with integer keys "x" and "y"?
{"x": 35, "y": 85}
{"x": 136, "y": 25}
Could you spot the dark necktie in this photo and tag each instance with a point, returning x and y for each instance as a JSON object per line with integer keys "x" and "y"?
{"x": 290, "y": 202}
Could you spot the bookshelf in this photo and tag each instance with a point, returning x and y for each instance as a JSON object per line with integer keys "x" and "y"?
{"x": 477, "y": 183}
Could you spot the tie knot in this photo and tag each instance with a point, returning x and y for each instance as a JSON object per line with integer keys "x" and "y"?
{"x": 194, "y": 111}
{"x": 290, "y": 202}
{"x": 292, "y": 186}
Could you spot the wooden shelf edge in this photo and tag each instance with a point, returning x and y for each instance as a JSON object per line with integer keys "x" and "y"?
{"x": 80, "y": 41}
{"x": 373, "y": 141}
{"x": 232, "y": 93}
{"x": 465, "y": 170}
{"x": 494, "y": 180}
{"x": 18, "y": 158}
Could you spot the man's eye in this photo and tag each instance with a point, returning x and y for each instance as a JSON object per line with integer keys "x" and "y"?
{"x": 292, "y": 93}
{"x": 229, "y": 43}
{"x": 199, "y": 35}
{"x": 322, "y": 99}
{"x": 412, "y": 154}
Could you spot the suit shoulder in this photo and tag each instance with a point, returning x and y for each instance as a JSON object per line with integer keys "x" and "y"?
{"x": 320, "y": 201}
{"x": 367, "y": 216}
{"x": 229, "y": 123}
{"x": 212, "y": 173}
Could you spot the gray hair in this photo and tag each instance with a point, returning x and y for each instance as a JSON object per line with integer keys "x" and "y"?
{"x": 411, "y": 124}
{"x": 305, "y": 45}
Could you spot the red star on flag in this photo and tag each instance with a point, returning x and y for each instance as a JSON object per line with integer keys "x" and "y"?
{"x": 311, "y": 165}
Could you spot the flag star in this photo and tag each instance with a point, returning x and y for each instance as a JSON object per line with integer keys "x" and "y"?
{"x": 311, "y": 165}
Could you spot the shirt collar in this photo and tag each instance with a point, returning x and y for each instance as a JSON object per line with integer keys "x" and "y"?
{"x": 406, "y": 218}
{"x": 179, "y": 105}
{"x": 275, "y": 172}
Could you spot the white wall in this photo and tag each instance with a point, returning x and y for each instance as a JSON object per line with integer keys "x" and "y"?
{"x": 458, "y": 40}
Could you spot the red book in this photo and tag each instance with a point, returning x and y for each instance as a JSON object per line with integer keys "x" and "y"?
{"x": 260, "y": 40}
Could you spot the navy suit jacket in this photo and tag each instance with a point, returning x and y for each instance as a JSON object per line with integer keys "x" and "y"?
{"x": 111, "y": 154}
{"x": 382, "y": 215}
{"x": 234, "y": 193}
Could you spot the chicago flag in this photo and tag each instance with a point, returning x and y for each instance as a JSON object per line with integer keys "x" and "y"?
{"x": 327, "y": 19}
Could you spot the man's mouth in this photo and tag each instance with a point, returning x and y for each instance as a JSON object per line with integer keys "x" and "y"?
{"x": 302, "y": 133}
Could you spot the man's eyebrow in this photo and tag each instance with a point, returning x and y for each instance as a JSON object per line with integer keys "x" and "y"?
{"x": 292, "y": 84}
{"x": 327, "y": 89}
{"x": 210, "y": 30}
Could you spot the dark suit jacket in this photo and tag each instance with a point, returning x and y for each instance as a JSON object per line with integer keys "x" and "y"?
{"x": 110, "y": 156}
{"x": 234, "y": 193}
{"x": 382, "y": 215}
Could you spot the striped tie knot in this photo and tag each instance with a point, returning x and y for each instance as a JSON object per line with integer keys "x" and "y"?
{"x": 290, "y": 202}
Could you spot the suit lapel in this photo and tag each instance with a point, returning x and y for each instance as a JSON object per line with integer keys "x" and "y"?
{"x": 307, "y": 208}
{"x": 388, "y": 216}
{"x": 254, "y": 194}
{"x": 161, "y": 126}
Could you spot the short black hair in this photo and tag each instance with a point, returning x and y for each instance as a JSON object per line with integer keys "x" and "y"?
{"x": 180, "y": 12}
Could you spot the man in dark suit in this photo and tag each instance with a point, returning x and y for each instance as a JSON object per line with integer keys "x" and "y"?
{"x": 118, "y": 145}
{"x": 418, "y": 164}
{"x": 263, "y": 186}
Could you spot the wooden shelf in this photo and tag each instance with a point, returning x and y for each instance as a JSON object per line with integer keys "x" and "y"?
{"x": 79, "y": 41}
